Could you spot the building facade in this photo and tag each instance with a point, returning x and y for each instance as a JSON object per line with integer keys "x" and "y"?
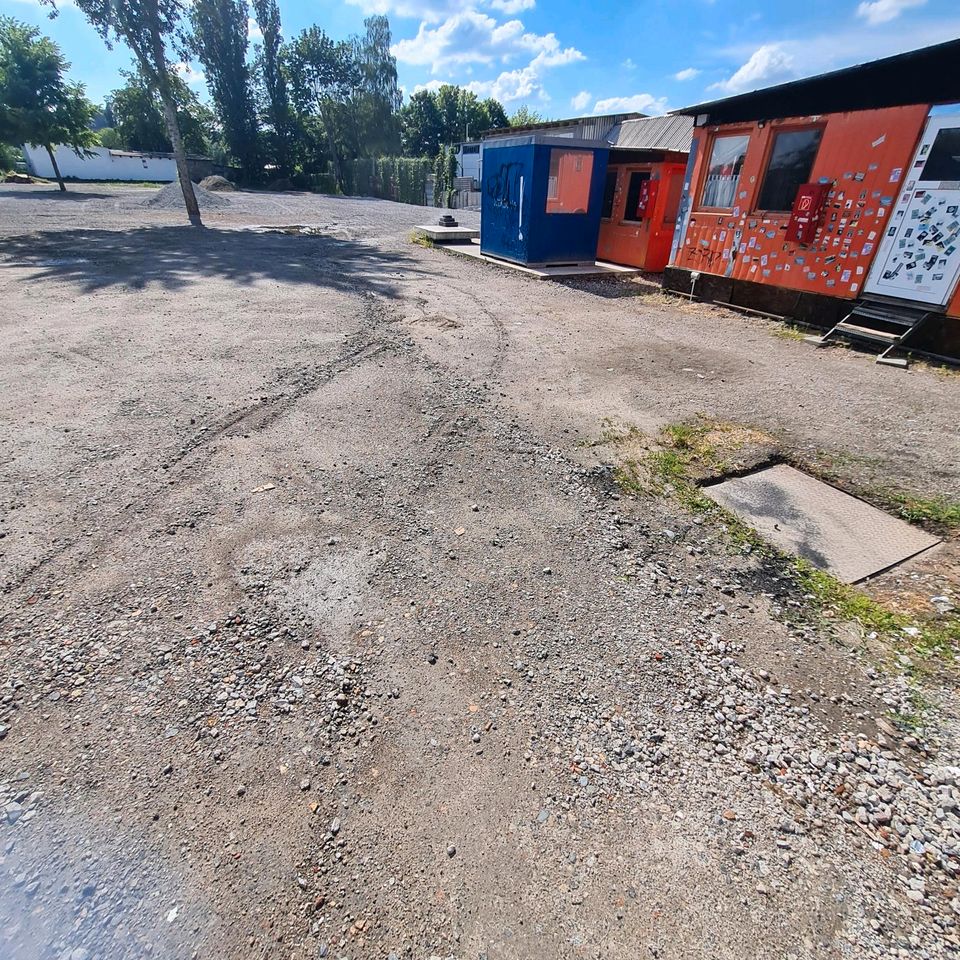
{"x": 822, "y": 198}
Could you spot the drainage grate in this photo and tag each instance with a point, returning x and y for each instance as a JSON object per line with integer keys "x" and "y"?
{"x": 823, "y": 525}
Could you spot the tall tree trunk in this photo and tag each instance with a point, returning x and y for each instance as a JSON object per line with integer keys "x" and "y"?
{"x": 183, "y": 169}
{"x": 56, "y": 169}
{"x": 332, "y": 144}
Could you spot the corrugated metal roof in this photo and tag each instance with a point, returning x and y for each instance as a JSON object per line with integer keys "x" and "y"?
{"x": 653, "y": 133}
{"x": 588, "y": 128}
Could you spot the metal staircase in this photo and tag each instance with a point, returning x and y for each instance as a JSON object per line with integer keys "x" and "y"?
{"x": 880, "y": 322}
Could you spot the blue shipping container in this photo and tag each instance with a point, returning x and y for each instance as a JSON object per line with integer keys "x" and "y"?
{"x": 542, "y": 199}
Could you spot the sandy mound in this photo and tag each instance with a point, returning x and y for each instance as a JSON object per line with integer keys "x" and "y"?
{"x": 170, "y": 197}
{"x": 218, "y": 184}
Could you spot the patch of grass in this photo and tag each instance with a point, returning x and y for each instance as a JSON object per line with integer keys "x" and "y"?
{"x": 937, "y": 511}
{"x": 919, "y": 714}
{"x": 422, "y": 240}
{"x": 612, "y": 434}
{"x": 787, "y": 331}
{"x": 925, "y": 638}
{"x": 940, "y": 369}
{"x": 833, "y": 467}
{"x": 684, "y": 452}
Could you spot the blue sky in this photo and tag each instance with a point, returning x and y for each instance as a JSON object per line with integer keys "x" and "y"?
{"x": 567, "y": 57}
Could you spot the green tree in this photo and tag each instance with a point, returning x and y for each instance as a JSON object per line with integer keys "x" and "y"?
{"x": 273, "y": 95}
{"x": 448, "y": 115}
{"x": 219, "y": 40}
{"x": 377, "y": 99}
{"x": 322, "y": 75}
{"x": 523, "y": 116}
{"x": 8, "y": 158}
{"x": 139, "y": 122}
{"x": 148, "y": 28}
{"x": 110, "y": 138}
{"x": 421, "y": 127}
{"x": 493, "y": 116}
{"x": 37, "y": 105}
{"x": 452, "y": 172}
{"x": 440, "y": 178}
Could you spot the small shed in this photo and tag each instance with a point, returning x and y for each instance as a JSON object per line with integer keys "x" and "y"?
{"x": 542, "y": 199}
{"x": 642, "y": 190}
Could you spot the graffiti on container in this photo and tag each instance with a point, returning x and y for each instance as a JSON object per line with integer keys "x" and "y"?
{"x": 503, "y": 187}
{"x": 703, "y": 257}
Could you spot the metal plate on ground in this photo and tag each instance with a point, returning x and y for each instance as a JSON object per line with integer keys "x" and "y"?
{"x": 823, "y": 525}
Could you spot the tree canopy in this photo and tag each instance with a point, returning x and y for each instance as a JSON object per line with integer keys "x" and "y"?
{"x": 447, "y": 115}
{"x": 219, "y": 40}
{"x": 524, "y": 116}
{"x": 150, "y": 28}
{"x": 139, "y": 122}
{"x": 295, "y": 108}
{"x": 37, "y": 104}
{"x": 270, "y": 89}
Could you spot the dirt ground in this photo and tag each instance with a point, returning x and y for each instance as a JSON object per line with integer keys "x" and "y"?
{"x": 325, "y": 631}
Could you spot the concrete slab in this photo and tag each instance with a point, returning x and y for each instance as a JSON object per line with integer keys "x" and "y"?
{"x": 823, "y": 525}
{"x": 600, "y": 268}
{"x": 440, "y": 234}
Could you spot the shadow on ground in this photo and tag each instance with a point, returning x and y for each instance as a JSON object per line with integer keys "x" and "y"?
{"x": 176, "y": 256}
{"x": 617, "y": 288}
{"x": 55, "y": 193}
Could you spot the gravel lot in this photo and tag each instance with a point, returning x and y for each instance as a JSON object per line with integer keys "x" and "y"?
{"x": 326, "y": 633}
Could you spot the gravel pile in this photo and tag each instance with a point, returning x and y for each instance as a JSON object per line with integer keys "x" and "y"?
{"x": 218, "y": 183}
{"x": 170, "y": 197}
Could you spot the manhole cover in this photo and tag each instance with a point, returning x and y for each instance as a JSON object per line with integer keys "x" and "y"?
{"x": 823, "y": 525}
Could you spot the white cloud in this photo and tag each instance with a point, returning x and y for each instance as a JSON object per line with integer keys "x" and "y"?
{"x": 433, "y": 11}
{"x": 628, "y": 64}
{"x": 882, "y": 11}
{"x": 513, "y": 6}
{"x": 767, "y": 65}
{"x": 430, "y": 85}
{"x": 830, "y": 50}
{"x": 525, "y": 82}
{"x": 474, "y": 37}
{"x": 555, "y": 56}
{"x": 429, "y": 10}
{"x": 637, "y": 103}
{"x": 581, "y": 101}
{"x": 511, "y": 85}
{"x": 253, "y": 29}
{"x": 687, "y": 74}
{"x": 193, "y": 78}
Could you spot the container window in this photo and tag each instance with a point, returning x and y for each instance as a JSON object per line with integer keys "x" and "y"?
{"x": 791, "y": 161}
{"x": 609, "y": 193}
{"x": 637, "y": 179}
{"x": 943, "y": 161}
{"x": 723, "y": 174}
{"x": 568, "y": 188}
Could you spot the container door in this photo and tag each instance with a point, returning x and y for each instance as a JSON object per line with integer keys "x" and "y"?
{"x": 919, "y": 257}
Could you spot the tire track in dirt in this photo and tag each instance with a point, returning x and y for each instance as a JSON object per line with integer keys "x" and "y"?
{"x": 359, "y": 348}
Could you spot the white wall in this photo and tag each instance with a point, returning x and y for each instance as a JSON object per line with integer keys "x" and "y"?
{"x": 103, "y": 165}
{"x": 468, "y": 164}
